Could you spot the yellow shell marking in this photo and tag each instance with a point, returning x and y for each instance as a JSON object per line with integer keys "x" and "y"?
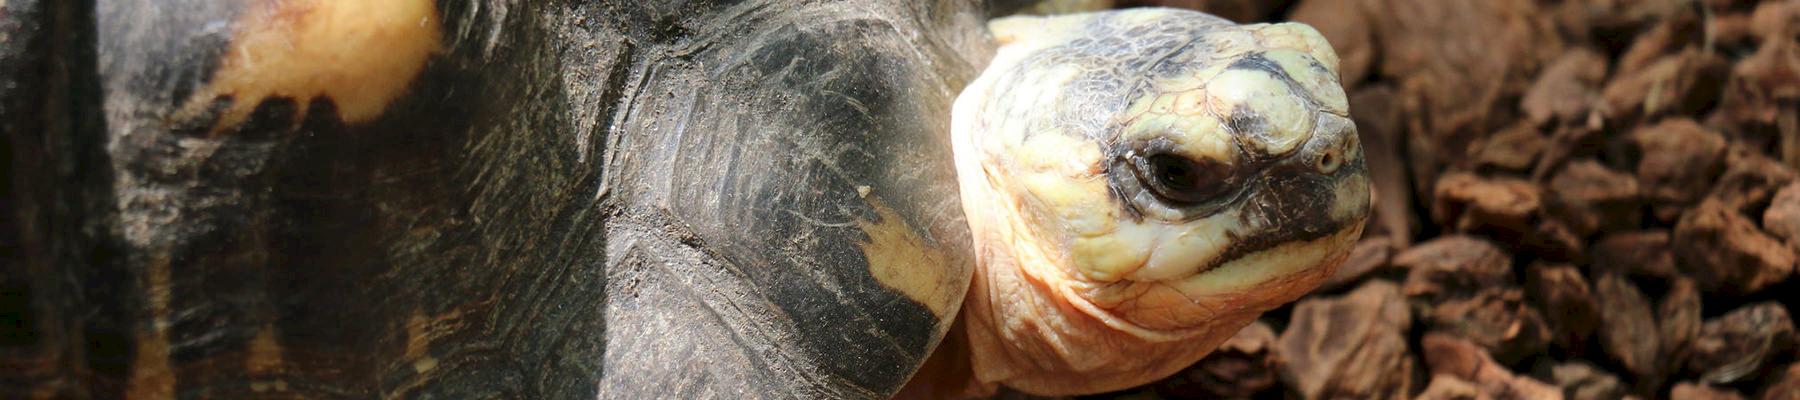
{"x": 360, "y": 54}
{"x": 152, "y": 371}
{"x": 900, "y": 260}
{"x": 264, "y": 361}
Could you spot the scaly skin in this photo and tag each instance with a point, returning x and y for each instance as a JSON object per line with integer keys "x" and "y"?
{"x": 1141, "y": 184}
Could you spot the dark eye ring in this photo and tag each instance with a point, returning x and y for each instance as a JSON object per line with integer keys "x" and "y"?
{"x": 1181, "y": 180}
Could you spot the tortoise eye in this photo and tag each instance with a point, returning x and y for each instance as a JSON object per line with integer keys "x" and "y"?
{"x": 1181, "y": 180}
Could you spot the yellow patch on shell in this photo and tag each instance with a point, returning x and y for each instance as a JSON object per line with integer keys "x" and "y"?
{"x": 901, "y": 260}
{"x": 264, "y": 361}
{"x": 152, "y": 373}
{"x": 360, "y": 54}
{"x": 152, "y": 370}
{"x": 421, "y": 330}
{"x": 264, "y": 352}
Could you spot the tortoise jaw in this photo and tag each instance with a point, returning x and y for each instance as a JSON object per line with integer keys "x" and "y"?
{"x": 1296, "y": 267}
{"x": 1172, "y": 310}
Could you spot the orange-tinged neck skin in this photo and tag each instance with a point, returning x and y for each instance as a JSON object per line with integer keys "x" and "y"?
{"x": 1033, "y": 327}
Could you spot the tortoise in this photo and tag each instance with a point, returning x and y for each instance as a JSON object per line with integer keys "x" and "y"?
{"x": 756, "y": 199}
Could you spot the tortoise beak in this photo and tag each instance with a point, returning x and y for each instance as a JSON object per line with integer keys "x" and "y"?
{"x": 1318, "y": 190}
{"x": 1310, "y": 206}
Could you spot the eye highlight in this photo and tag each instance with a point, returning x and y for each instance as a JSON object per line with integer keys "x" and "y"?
{"x": 1182, "y": 181}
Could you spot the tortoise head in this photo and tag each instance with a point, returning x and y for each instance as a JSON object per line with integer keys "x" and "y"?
{"x": 1243, "y": 179}
{"x": 1155, "y": 178}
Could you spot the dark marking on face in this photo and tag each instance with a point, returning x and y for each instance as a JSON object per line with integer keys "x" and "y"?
{"x": 1245, "y": 123}
{"x": 1257, "y": 61}
{"x": 1293, "y": 202}
{"x": 1293, "y": 198}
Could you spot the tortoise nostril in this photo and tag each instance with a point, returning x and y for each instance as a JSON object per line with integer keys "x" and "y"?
{"x": 1330, "y": 161}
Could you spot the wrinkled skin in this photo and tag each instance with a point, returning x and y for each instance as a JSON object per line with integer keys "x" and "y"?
{"x": 1140, "y": 185}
